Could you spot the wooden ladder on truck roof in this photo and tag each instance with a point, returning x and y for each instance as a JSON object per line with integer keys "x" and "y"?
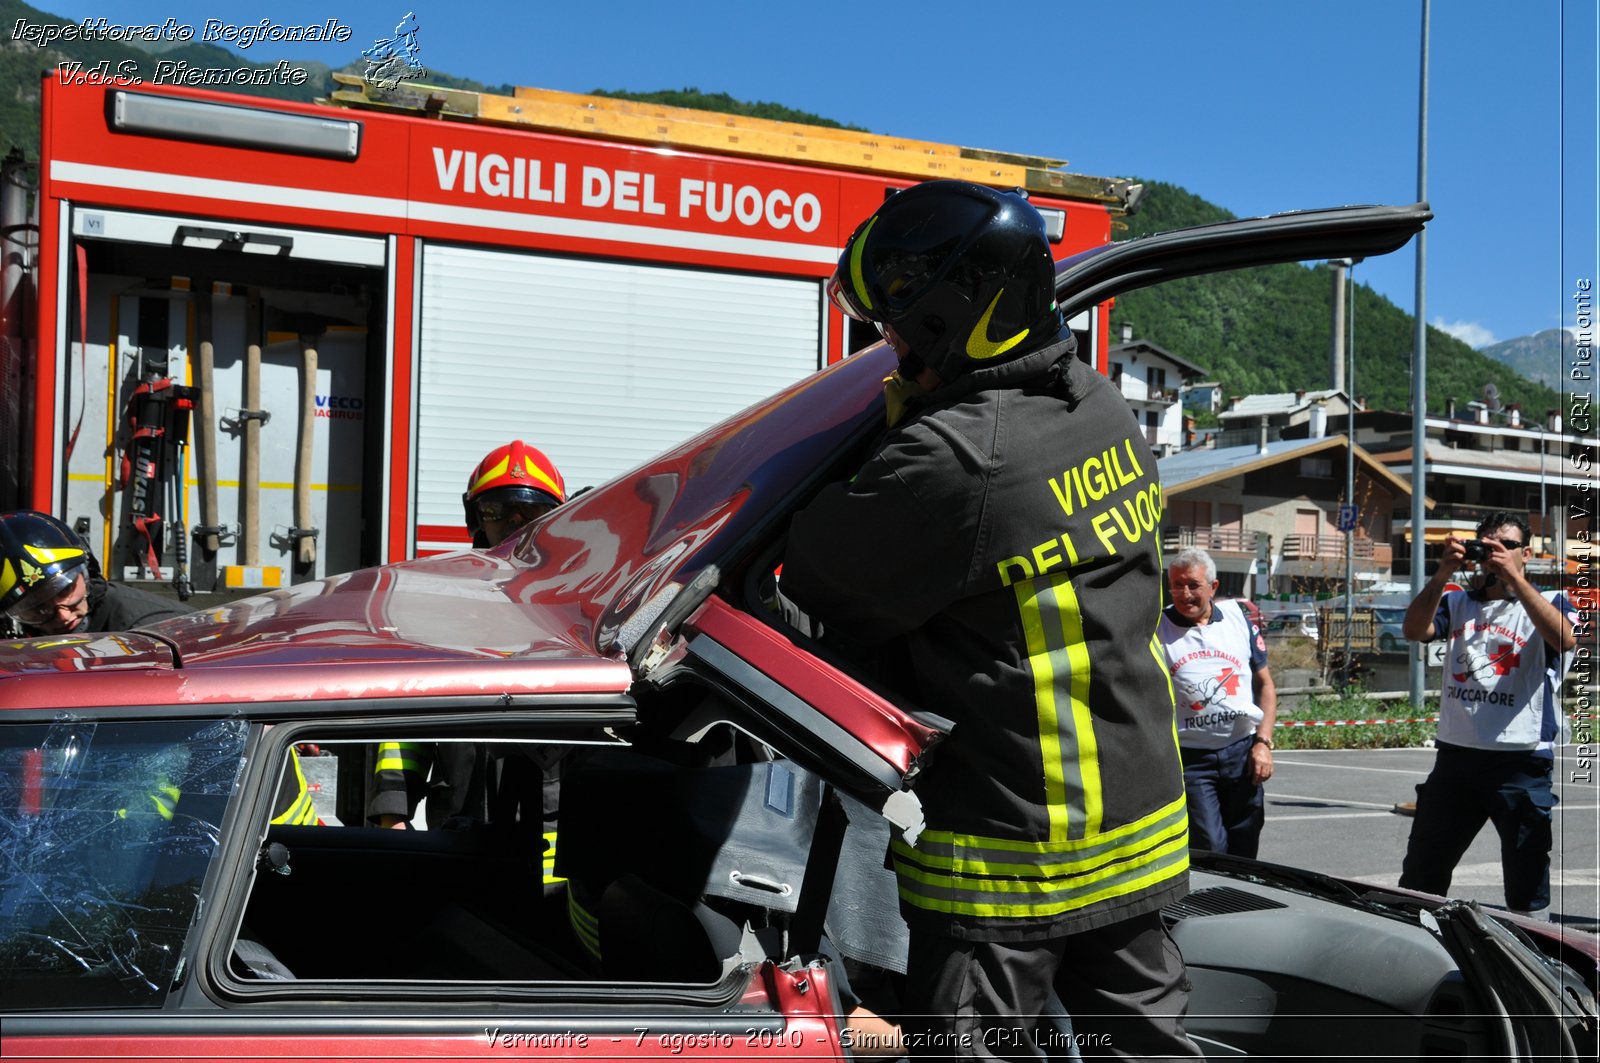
{"x": 577, "y": 114}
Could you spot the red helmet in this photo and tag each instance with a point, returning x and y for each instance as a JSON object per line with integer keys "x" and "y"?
{"x": 515, "y": 478}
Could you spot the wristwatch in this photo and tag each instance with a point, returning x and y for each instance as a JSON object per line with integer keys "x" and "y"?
{"x": 1260, "y": 741}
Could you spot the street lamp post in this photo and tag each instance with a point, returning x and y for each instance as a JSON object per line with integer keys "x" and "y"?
{"x": 1544, "y": 508}
{"x": 1419, "y": 368}
{"x": 1342, "y": 290}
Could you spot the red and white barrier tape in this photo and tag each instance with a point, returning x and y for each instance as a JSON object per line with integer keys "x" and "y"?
{"x": 1348, "y": 723}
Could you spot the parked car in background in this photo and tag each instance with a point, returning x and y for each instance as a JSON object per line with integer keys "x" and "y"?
{"x": 1297, "y": 621}
{"x": 1252, "y": 613}
{"x": 726, "y": 788}
{"x": 1389, "y": 620}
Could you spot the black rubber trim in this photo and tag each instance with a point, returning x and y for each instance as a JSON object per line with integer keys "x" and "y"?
{"x": 823, "y": 738}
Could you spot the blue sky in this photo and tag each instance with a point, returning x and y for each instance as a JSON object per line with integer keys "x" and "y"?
{"x": 1257, "y": 105}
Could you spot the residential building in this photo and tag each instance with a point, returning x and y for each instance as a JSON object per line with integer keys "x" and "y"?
{"x": 1149, "y": 377}
{"x": 1268, "y": 513}
{"x": 1480, "y": 460}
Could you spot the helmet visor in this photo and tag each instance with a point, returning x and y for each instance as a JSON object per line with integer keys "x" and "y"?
{"x": 50, "y": 594}
{"x": 503, "y": 503}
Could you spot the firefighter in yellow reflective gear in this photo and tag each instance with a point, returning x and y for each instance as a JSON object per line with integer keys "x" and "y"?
{"x": 1016, "y": 589}
{"x": 468, "y": 783}
{"x": 293, "y": 806}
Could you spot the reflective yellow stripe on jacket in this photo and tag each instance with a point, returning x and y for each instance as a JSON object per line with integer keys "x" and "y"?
{"x": 404, "y": 756}
{"x": 1081, "y": 862}
{"x": 300, "y": 810}
{"x": 1004, "y": 877}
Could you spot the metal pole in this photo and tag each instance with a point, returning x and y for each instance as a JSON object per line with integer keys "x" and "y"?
{"x": 1419, "y": 369}
{"x": 1544, "y": 508}
{"x": 1350, "y": 482}
{"x": 1336, "y": 352}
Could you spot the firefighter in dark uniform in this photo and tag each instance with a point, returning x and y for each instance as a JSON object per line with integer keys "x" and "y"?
{"x": 1010, "y": 580}
{"x": 50, "y": 584}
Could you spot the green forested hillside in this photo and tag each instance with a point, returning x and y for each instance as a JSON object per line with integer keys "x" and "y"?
{"x": 1269, "y": 329}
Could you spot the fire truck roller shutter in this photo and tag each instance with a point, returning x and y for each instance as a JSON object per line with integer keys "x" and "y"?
{"x": 600, "y": 364}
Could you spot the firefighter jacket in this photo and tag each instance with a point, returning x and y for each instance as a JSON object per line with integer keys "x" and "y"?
{"x": 113, "y": 607}
{"x": 469, "y": 783}
{"x": 1002, "y": 546}
{"x": 293, "y": 804}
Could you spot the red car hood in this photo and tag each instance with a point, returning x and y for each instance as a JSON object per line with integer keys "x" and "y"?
{"x": 551, "y": 610}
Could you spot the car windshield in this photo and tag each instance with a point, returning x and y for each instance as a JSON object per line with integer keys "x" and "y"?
{"x": 106, "y": 832}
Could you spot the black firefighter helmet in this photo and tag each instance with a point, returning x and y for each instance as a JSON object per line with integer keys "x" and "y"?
{"x": 962, "y": 273}
{"x": 40, "y": 557}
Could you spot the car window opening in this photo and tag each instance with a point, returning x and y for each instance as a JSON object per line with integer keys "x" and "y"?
{"x": 675, "y": 859}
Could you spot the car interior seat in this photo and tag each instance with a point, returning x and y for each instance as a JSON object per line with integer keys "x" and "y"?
{"x": 649, "y": 935}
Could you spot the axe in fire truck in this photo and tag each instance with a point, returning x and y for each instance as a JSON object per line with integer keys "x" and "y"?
{"x": 309, "y": 317}
{"x": 209, "y": 530}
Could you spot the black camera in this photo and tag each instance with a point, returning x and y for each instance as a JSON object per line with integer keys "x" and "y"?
{"x": 1476, "y": 550}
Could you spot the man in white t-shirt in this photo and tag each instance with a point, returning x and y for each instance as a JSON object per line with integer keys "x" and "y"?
{"x": 1500, "y": 714}
{"x": 1227, "y": 706}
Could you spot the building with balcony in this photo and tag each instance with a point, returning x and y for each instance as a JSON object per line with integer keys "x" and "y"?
{"x": 1150, "y": 377}
{"x": 1481, "y": 461}
{"x": 1268, "y": 513}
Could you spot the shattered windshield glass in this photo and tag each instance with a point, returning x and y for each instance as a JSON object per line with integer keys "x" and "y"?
{"x": 106, "y": 832}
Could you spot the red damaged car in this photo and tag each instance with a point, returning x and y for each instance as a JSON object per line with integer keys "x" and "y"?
{"x": 682, "y": 800}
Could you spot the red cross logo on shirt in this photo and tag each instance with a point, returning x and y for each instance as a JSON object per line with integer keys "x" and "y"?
{"x": 1504, "y": 658}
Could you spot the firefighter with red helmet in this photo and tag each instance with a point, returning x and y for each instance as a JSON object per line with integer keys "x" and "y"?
{"x": 51, "y": 585}
{"x": 1016, "y": 589}
{"x": 513, "y": 485}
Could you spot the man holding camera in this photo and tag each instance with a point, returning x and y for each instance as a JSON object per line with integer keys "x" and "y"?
{"x": 1500, "y": 714}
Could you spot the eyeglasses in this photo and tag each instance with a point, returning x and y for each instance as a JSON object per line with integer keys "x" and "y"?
{"x": 1509, "y": 544}
{"x": 38, "y": 614}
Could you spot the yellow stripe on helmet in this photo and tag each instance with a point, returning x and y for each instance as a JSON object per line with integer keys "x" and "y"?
{"x": 857, "y": 281}
{"x": 979, "y": 346}
{"x": 50, "y": 557}
{"x": 498, "y": 471}
{"x": 542, "y": 476}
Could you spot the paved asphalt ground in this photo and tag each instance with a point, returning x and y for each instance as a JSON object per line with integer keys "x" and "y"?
{"x": 1331, "y": 811}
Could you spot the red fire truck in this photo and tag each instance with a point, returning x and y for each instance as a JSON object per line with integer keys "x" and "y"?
{"x": 252, "y": 343}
